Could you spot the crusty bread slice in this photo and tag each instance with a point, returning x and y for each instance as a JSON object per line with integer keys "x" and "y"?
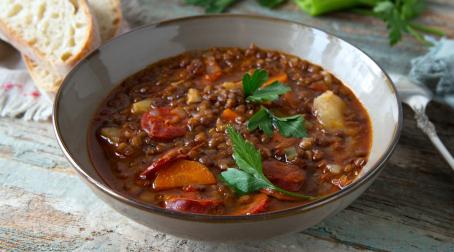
{"x": 44, "y": 79}
{"x": 108, "y": 16}
{"x": 55, "y": 33}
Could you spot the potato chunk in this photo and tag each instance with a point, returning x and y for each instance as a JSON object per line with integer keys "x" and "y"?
{"x": 112, "y": 135}
{"x": 141, "y": 106}
{"x": 329, "y": 110}
{"x": 193, "y": 96}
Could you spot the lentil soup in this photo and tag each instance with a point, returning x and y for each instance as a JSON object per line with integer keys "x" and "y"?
{"x": 174, "y": 134}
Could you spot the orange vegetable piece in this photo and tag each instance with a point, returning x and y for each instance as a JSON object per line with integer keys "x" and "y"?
{"x": 281, "y": 77}
{"x": 182, "y": 173}
{"x": 229, "y": 115}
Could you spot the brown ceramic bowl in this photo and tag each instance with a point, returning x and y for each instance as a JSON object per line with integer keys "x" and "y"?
{"x": 91, "y": 80}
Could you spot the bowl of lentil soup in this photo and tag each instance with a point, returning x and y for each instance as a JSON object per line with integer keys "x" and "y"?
{"x": 210, "y": 128}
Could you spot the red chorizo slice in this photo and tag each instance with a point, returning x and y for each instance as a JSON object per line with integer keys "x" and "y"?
{"x": 287, "y": 176}
{"x": 202, "y": 206}
{"x": 166, "y": 159}
{"x": 258, "y": 204}
{"x": 163, "y": 124}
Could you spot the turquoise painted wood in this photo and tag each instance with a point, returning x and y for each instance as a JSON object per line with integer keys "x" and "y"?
{"x": 44, "y": 206}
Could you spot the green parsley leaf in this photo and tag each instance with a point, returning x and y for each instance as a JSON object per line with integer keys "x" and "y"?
{"x": 252, "y": 83}
{"x": 249, "y": 176}
{"x": 291, "y": 126}
{"x": 212, "y": 6}
{"x": 242, "y": 182}
{"x": 398, "y": 16}
{"x": 271, "y": 3}
{"x": 245, "y": 154}
{"x": 262, "y": 120}
{"x": 269, "y": 93}
{"x": 396, "y": 25}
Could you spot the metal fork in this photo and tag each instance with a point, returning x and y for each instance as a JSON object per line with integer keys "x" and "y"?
{"x": 417, "y": 97}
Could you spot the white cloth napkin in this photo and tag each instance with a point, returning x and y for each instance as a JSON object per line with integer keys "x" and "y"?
{"x": 18, "y": 94}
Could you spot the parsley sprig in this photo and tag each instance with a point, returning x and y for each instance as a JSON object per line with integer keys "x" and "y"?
{"x": 398, "y": 15}
{"x": 249, "y": 176}
{"x": 264, "y": 119}
{"x": 217, "y": 6}
{"x": 212, "y": 6}
{"x": 253, "y": 92}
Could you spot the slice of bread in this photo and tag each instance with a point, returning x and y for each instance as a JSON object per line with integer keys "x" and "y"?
{"x": 55, "y": 33}
{"x": 108, "y": 16}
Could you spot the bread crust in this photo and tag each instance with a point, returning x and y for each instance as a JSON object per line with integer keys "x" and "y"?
{"x": 52, "y": 88}
{"x": 119, "y": 17}
{"x": 92, "y": 41}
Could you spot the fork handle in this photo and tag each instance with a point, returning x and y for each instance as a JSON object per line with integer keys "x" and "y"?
{"x": 428, "y": 128}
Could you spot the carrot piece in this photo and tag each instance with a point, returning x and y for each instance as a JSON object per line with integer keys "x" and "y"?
{"x": 182, "y": 173}
{"x": 213, "y": 70}
{"x": 258, "y": 204}
{"x": 229, "y": 115}
{"x": 281, "y": 77}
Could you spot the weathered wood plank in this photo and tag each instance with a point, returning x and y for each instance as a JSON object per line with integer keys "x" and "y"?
{"x": 45, "y": 207}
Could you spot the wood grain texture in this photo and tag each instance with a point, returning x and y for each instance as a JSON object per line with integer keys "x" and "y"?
{"x": 44, "y": 206}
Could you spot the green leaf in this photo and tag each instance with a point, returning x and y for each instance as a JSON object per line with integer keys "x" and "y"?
{"x": 397, "y": 14}
{"x": 252, "y": 83}
{"x": 271, "y": 3}
{"x": 269, "y": 93}
{"x": 291, "y": 126}
{"x": 212, "y": 6}
{"x": 411, "y": 9}
{"x": 383, "y": 7}
{"x": 249, "y": 176}
{"x": 242, "y": 182}
{"x": 246, "y": 156}
{"x": 261, "y": 120}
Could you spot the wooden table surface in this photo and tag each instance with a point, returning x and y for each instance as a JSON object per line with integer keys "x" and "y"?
{"x": 44, "y": 206}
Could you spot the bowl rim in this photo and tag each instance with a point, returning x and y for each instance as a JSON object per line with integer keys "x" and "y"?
{"x": 374, "y": 170}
